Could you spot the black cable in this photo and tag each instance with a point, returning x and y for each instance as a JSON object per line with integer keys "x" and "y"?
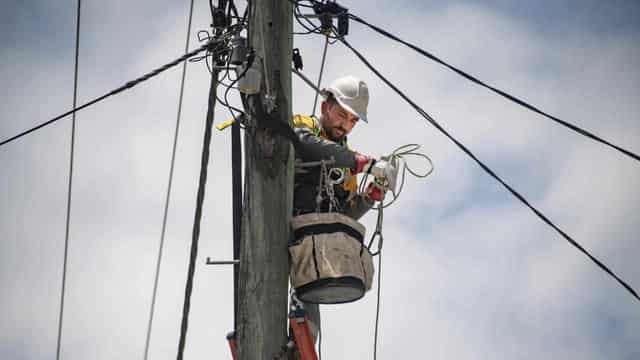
{"x": 245, "y": 14}
{"x": 375, "y": 336}
{"x": 433, "y": 122}
{"x": 496, "y": 90}
{"x": 232, "y": 8}
{"x": 310, "y": 27}
{"x": 71, "y": 156}
{"x": 195, "y": 235}
{"x": 126, "y": 86}
{"x": 236, "y": 186}
{"x": 225, "y": 103}
{"x": 322, "y": 62}
{"x": 168, "y": 195}
{"x": 319, "y": 338}
{"x": 300, "y": 3}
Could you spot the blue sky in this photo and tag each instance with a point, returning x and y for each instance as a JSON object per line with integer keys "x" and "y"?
{"x": 468, "y": 272}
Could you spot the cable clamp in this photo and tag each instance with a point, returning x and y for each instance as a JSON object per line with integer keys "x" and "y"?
{"x": 329, "y": 10}
{"x": 222, "y": 262}
{"x": 297, "y": 59}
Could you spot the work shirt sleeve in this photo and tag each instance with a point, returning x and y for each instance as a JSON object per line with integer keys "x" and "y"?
{"x": 315, "y": 148}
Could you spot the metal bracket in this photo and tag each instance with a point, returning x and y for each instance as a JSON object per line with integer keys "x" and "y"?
{"x": 222, "y": 262}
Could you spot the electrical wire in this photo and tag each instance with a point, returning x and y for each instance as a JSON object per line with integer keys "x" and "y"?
{"x": 378, "y": 298}
{"x": 118, "y": 90}
{"x": 309, "y": 26}
{"x": 195, "y": 235}
{"x": 546, "y": 220}
{"x": 399, "y": 157}
{"x": 70, "y": 185}
{"x": 324, "y": 58}
{"x": 319, "y": 338}
{"x": 224, "y": 56}
{"x": 168, "y": 194}
{"x": 204, "y": 161}
{"x": 496, "y": 90}
{"x": 250, "y": 59}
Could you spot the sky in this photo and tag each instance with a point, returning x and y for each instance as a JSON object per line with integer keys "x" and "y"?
{"x": 467, "y": 271}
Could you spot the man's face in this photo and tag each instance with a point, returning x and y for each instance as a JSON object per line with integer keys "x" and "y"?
{"x": 336, "y": 121}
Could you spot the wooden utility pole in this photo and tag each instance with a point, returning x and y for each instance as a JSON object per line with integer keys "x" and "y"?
{"x": 264, "y": 268}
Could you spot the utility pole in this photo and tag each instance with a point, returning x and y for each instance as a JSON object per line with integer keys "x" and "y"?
{"x": 264, "y": 267}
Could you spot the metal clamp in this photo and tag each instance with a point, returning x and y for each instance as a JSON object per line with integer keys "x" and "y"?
{"x": 222, "y": 262}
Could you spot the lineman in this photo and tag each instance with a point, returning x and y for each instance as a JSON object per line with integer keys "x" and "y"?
{"x": 344, "y": 106}
{"x": 323, "y": 138}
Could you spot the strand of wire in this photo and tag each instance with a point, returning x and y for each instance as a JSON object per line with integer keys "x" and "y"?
{"x": 227, "y": 69}
{"x": 500, "y": 92}
{"x": 378, "y": 297}
{"x": 401, "y": 155}
{"x": 306, "y": 23}
{"x": 225, "y": 103}
{"x": 324, "y": 58}
{"x": 319, "y": 338}
{"x": 521, "y": 198}
{"x": 70, "y": 184}
{"x": 118, "y": 90}
{"x": 204, "y": 161}
{"x": 168, "y": 193}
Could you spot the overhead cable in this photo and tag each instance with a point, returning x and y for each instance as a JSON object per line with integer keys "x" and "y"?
{"x": 202, "y": 182}
{"x": 195, "y": 235}
{"x": 378, "y": 298}
{"x": 306, "y": 80}
{"x": 126, "y": 86}
{"x": 496, "y": 90}
{"x": 70, "y": 184}
{"x": 168, "y": 195}
{"x": 324, "y": 58}
{"x": 433, "y": 122}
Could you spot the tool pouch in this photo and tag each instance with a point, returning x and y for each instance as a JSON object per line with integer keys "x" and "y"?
{"x": 329, "y": 262}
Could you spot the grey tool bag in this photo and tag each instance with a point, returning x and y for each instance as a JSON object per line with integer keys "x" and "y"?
{"x": 329, "y": 262}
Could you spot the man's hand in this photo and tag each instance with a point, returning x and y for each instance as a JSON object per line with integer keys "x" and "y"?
{"x": 375, "y": 192}
{"x": 385, "y": 171}
{"x": 363, "y": 163}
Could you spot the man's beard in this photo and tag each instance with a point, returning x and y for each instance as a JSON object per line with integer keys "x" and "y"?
{"x": 334, "y": 137}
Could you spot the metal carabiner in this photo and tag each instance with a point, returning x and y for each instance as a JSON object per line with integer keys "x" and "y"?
{"x": 340, "y": 176}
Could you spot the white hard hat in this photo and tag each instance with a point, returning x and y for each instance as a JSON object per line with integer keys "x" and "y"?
{"x": 352, "y": 94}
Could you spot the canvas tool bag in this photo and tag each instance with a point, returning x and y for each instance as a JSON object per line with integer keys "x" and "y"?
{"x": 329, "y": 263}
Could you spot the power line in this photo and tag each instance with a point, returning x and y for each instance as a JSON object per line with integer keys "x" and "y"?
{"x": 377, "y": 324}
{"x": 496, "y": 90}
{"x": 322, "y": 62}
{"x": 433, "y": 122}
{"x": 71, "y": 155}
{"x": 128, "y": 85}
{"x": 204, "y": 162}
{"x": 168, "y": 196}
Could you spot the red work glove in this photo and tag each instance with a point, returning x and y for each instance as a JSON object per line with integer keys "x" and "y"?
{"x": 363, "y": 162}
{"x": 374, "y": 192}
